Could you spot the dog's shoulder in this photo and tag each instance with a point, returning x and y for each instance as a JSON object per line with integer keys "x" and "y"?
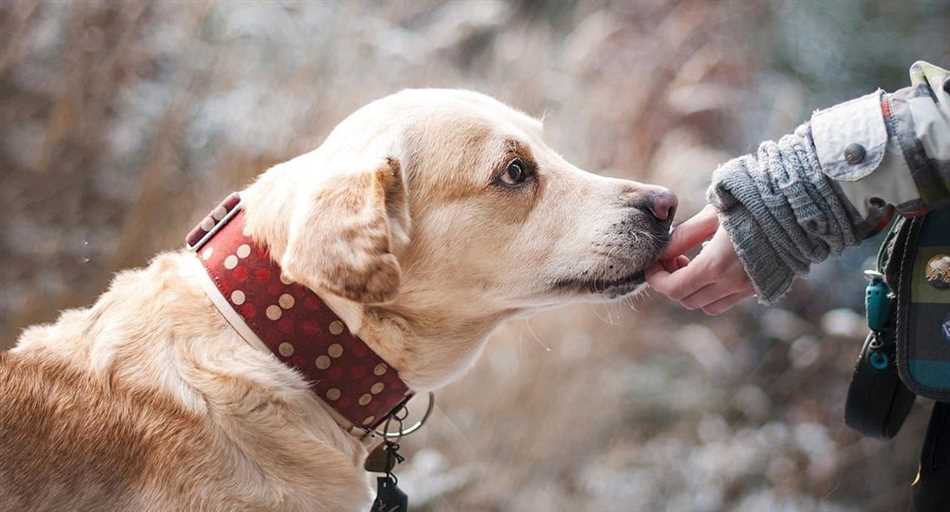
{"x": 69, "y": 438}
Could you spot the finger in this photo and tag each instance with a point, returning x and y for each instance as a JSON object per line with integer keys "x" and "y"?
{"x": 682, "y": 283}
{"x": 674, "y": 264}
{"x": 669, "y": 265}
{"x": 725, "y": 285}
{"x": 707, "y": 295}
{"x": 681, "y": 261}
{"x": 726, "y": 303}
{"x": 690, "y": 301}
{"x": 692, "y": 232}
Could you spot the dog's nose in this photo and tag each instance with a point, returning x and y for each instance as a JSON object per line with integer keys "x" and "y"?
{"x": 662, "y": 204}
{"x": 657, "y": 201}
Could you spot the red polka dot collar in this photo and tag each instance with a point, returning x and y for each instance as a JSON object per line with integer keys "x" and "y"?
{"x": 292, "y": 322}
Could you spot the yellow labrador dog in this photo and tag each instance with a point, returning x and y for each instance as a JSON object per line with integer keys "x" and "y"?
{"x": 424, "y": 219}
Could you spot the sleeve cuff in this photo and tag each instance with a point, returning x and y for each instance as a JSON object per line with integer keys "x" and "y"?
{"x": 857, "y": 148}
{"x": 732, "y": 192}
{"x": 771, "y": 277}
{"x": 850, "y": 138}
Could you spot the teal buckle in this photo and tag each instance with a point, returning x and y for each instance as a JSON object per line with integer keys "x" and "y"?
{"x": 877, "y": 300}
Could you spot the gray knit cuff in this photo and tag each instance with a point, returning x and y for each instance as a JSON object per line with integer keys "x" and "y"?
{"x": 771, "y": 277}
{"x": 781, "y": 212}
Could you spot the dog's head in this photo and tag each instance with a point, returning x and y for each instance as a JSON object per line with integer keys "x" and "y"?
{"x": 448, "y": 204}
{"x": 452, "y": 193}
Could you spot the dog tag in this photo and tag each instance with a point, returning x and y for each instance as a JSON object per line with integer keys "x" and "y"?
{"x": 389, "y": 498}
{"x": 380, "y": 460}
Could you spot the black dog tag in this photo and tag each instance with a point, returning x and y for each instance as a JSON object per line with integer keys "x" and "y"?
{"x": 389, "y": 498}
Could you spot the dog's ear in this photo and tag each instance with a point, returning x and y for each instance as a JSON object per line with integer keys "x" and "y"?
{"x": 343, "y": 232}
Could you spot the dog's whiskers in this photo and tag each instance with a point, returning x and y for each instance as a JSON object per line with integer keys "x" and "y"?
{"x": 537, "y": 338}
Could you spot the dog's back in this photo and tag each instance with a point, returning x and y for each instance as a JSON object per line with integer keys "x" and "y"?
{"x": 69, "y": 441}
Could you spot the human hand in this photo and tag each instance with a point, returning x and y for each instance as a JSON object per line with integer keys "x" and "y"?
{"x": 714, "y": 280}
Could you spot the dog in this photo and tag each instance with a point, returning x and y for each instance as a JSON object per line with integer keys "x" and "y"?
{"x": 424, "y": 220}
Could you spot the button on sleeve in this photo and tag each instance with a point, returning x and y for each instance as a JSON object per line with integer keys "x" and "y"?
{"x": 850, "y": 138}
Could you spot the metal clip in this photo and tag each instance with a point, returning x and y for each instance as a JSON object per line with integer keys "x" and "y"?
{"x": 385, "y": 434}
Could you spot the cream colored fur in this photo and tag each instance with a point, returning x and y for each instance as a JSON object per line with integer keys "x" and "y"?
{"x": 399, "y": 222}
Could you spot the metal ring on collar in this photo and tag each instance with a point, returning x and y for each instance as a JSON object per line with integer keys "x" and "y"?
{"x": 416, "y": 426}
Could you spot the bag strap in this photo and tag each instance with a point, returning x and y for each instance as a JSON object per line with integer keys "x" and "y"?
{"x": 878, "y": 402}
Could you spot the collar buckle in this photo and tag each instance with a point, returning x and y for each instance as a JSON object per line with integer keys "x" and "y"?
{"x": 213, "y": 222}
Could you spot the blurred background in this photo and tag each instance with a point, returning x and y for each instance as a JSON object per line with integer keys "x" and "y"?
{"x": 123, "y": 122}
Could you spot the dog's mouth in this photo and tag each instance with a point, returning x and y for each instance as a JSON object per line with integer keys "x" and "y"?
{"x": 610, "y": 287}
{"x": 621, "y": 283}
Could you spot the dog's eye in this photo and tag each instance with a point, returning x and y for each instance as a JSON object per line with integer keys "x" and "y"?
{"x": 515, "y": 174}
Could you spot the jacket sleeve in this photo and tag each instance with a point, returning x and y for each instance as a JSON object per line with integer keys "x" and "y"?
{"x": 833, "y": 181}
{"x": 891, "y": 148}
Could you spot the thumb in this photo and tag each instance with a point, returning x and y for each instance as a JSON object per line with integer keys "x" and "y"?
{"x": 692, "y": 232}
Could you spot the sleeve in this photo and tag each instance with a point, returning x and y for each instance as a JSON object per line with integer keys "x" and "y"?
{"x": 834, "y": 181}
{"x": 782, "y": 213}
{"x": 891, "y": 149}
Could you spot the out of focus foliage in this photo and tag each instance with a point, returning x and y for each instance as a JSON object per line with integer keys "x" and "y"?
{"x": 121, "y": 122}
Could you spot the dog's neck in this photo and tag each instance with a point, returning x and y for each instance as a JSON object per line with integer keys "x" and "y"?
{"x": 414, "y": 336}
{"x": 287, "y": 319}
